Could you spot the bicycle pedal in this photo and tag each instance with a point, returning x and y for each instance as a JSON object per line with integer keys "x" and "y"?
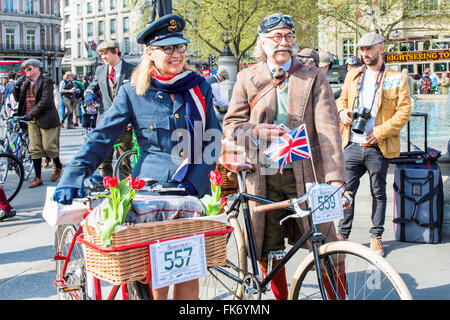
{"x": 69, "y": 288}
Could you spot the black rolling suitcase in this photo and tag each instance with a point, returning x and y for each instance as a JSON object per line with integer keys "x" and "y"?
{"x": 418, "y": 193}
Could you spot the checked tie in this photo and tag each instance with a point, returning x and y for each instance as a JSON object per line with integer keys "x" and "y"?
{"x": 278, "y": 75}
{"x": 111, "y": 75}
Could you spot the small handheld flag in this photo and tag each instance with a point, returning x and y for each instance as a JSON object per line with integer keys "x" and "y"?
{"x": 290, "y": 147}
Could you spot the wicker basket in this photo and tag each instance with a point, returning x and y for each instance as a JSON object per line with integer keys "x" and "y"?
{"x": 119, "y": 265}
{"x": 229, "y": 182}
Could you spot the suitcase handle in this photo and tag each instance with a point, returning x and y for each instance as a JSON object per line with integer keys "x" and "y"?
{"x": 425, "y": 116}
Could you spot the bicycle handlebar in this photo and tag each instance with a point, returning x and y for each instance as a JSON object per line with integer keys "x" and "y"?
{"x": 273, "y": 206}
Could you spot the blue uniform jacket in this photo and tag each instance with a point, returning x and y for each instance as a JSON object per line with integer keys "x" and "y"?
{"x": 153, "y": 117}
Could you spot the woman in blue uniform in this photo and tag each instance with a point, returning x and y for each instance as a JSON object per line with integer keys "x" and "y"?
{"x": 171, "y": 111}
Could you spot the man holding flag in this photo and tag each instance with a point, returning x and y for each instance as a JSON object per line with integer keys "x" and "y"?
{"x": 280, "y": 92}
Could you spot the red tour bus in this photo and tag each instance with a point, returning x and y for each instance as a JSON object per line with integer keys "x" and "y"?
{"x": 10, "y": 65}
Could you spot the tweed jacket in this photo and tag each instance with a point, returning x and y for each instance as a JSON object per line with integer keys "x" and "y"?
{"x": 44, "y": 110}
{"x": 100, "y": 82}
{"x": 393, "y": 110}
{"x": 310, "y": 101}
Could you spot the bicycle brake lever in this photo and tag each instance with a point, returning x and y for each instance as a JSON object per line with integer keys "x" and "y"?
{"x": 299, "y": 212}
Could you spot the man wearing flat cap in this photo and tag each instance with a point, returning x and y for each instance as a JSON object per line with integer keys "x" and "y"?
{"x": 302, "y": 95}
{"x": 220, "y": 103}
{"x": 34, "y": 92}
{"x": 373, "y": 107}
{"x": 309, "y": 57}
{"x": 107, "y": 81}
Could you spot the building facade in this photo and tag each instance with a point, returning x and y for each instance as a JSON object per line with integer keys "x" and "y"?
{"x": 87, "y": 23}
{"x": 414, "y": 43}
{"x": 32, "y": 29}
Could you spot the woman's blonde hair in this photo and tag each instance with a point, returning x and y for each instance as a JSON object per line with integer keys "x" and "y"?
{"x": 141, "y": 77}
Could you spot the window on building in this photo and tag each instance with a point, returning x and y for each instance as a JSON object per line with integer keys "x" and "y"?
{"x": 89, "y": 7}
{"x": 112, "y": 26}
{"x": 68, "y": 51}
{"x": 101, "y": 28}
{"x": 125, "y": 3}
{"x": 126, "y": 45}
{"x": 30, "y": 40}
{"x": 348, "y": 48}
{"x": 30, "y": 6}
{"x": 112, "y": 4}
{"x": 430, "y": 5}
{"x": 126, "y": 24}
{"x": 78, "y": 30}
{"x": 79, "y": 50}
{"x": 8, "y": 6}
{"x": 66, "y": 3}
{"x": 67, "y": 35}
{"x": 90, "y": 30}
{"x": 9, "y": 34}
{"x": 78, "y": 9}
{"x": 440, "y": 67}
{"x": 100, "y": 6}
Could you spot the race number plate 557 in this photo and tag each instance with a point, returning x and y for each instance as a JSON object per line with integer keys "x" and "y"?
{"x": 178, "y": 260}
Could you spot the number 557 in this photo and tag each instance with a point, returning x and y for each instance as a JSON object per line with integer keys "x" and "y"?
{"x": 176, "y": 258}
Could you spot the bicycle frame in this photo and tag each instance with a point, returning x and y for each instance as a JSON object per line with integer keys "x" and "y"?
{"x": 313, "y": 234}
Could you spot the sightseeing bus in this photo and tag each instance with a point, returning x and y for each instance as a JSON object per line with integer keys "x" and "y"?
{"x": 7, "y": 66}
{"x": 418, "y": 53}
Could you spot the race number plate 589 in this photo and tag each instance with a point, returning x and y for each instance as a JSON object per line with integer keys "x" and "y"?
{"x": 326, "y": 204}
{"x": 178, "y": 260}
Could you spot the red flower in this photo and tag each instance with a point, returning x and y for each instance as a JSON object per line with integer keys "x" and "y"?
{"x": 136, "y": 183}
{"x": 223, "y": 203}
{"x": 110, "y": 182}
{"x": 216, "y": 178}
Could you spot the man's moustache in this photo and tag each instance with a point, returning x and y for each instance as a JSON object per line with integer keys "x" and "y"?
{"x": 287, "y": 48}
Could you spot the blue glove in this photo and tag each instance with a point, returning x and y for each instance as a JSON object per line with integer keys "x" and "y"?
{"x": 27, "y": 117}
{"x": 89, "y": 98}
{"x": 65, "y": 195}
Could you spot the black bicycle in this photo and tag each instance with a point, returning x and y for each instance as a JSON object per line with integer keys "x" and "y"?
{"x": 336, "y": 270}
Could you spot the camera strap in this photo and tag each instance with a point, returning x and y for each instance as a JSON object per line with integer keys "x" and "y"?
{"x": 377, "y": 84}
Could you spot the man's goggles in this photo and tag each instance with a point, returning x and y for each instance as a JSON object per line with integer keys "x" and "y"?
{"x": 276, "y": 21}
{"x": 353, "y": 61}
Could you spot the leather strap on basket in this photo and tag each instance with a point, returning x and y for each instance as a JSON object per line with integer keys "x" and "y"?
{"x": 274, "y": 83}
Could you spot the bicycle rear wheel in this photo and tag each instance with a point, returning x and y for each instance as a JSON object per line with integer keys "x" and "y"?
{"x": 225, "y": 282}
{"x": 358, "y": 272}
{"x": 75, "y": 273}
{"x": 125, "y": 164}
{"x": 11, "y": 175}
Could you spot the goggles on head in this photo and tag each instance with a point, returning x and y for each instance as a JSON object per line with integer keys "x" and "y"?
{"x": 270, "y": 23}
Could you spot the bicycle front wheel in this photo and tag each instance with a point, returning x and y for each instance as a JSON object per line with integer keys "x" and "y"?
{"x": 11, "y": 175}
{"x": 125, "y": 164}
{"x": 354, "y": 272}
{"x": 75, "y": 273}
{"x": 225, "y": 282}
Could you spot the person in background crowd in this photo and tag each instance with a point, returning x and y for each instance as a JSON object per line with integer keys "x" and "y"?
{"x": 325, "y": 61}
{"x": 309, "y": 57}
{"x": 162, "y": 96}
{"x": 220, "y": 103}
{"x": 67, "y": 90}
{"x": 108, "y": 79}
{"x": 425, "y": 84}
{"x": 6, "y": 210}
{"x": 434, "y": 80}
{"x": 368, "y": 145}
{"x": 405, "y": 72}
{"x": 305, "y": 96}
{"x": 352, "y": 62}
{"x": 37, "y": 106}
{"x": 444, "y": 83}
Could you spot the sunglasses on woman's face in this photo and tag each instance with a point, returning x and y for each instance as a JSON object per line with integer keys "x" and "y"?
{"x": 170, "y": 49}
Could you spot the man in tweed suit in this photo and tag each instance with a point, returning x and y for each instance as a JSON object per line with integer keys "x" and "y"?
{"x": 304, "y": 97}
{"x": 107, "y": 80}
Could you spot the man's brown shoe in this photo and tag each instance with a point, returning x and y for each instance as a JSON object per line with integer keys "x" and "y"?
{"x": 56, "y": 174}
{"x": 36, "y": 182}
{"x": 376, "y": 246}
{"x": 46, "y": 163}
{"x": 70, "y": 127}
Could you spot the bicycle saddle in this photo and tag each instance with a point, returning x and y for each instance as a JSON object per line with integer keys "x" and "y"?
{"x": 234, "y": 162}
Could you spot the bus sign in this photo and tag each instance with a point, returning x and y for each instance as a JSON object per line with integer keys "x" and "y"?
{"x": 416, "y": 56}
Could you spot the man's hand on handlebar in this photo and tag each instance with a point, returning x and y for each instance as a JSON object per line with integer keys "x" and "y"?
{"x": 65, "y": 195}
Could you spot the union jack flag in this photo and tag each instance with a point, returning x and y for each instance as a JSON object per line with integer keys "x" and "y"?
{"x": 289, "y": 147}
